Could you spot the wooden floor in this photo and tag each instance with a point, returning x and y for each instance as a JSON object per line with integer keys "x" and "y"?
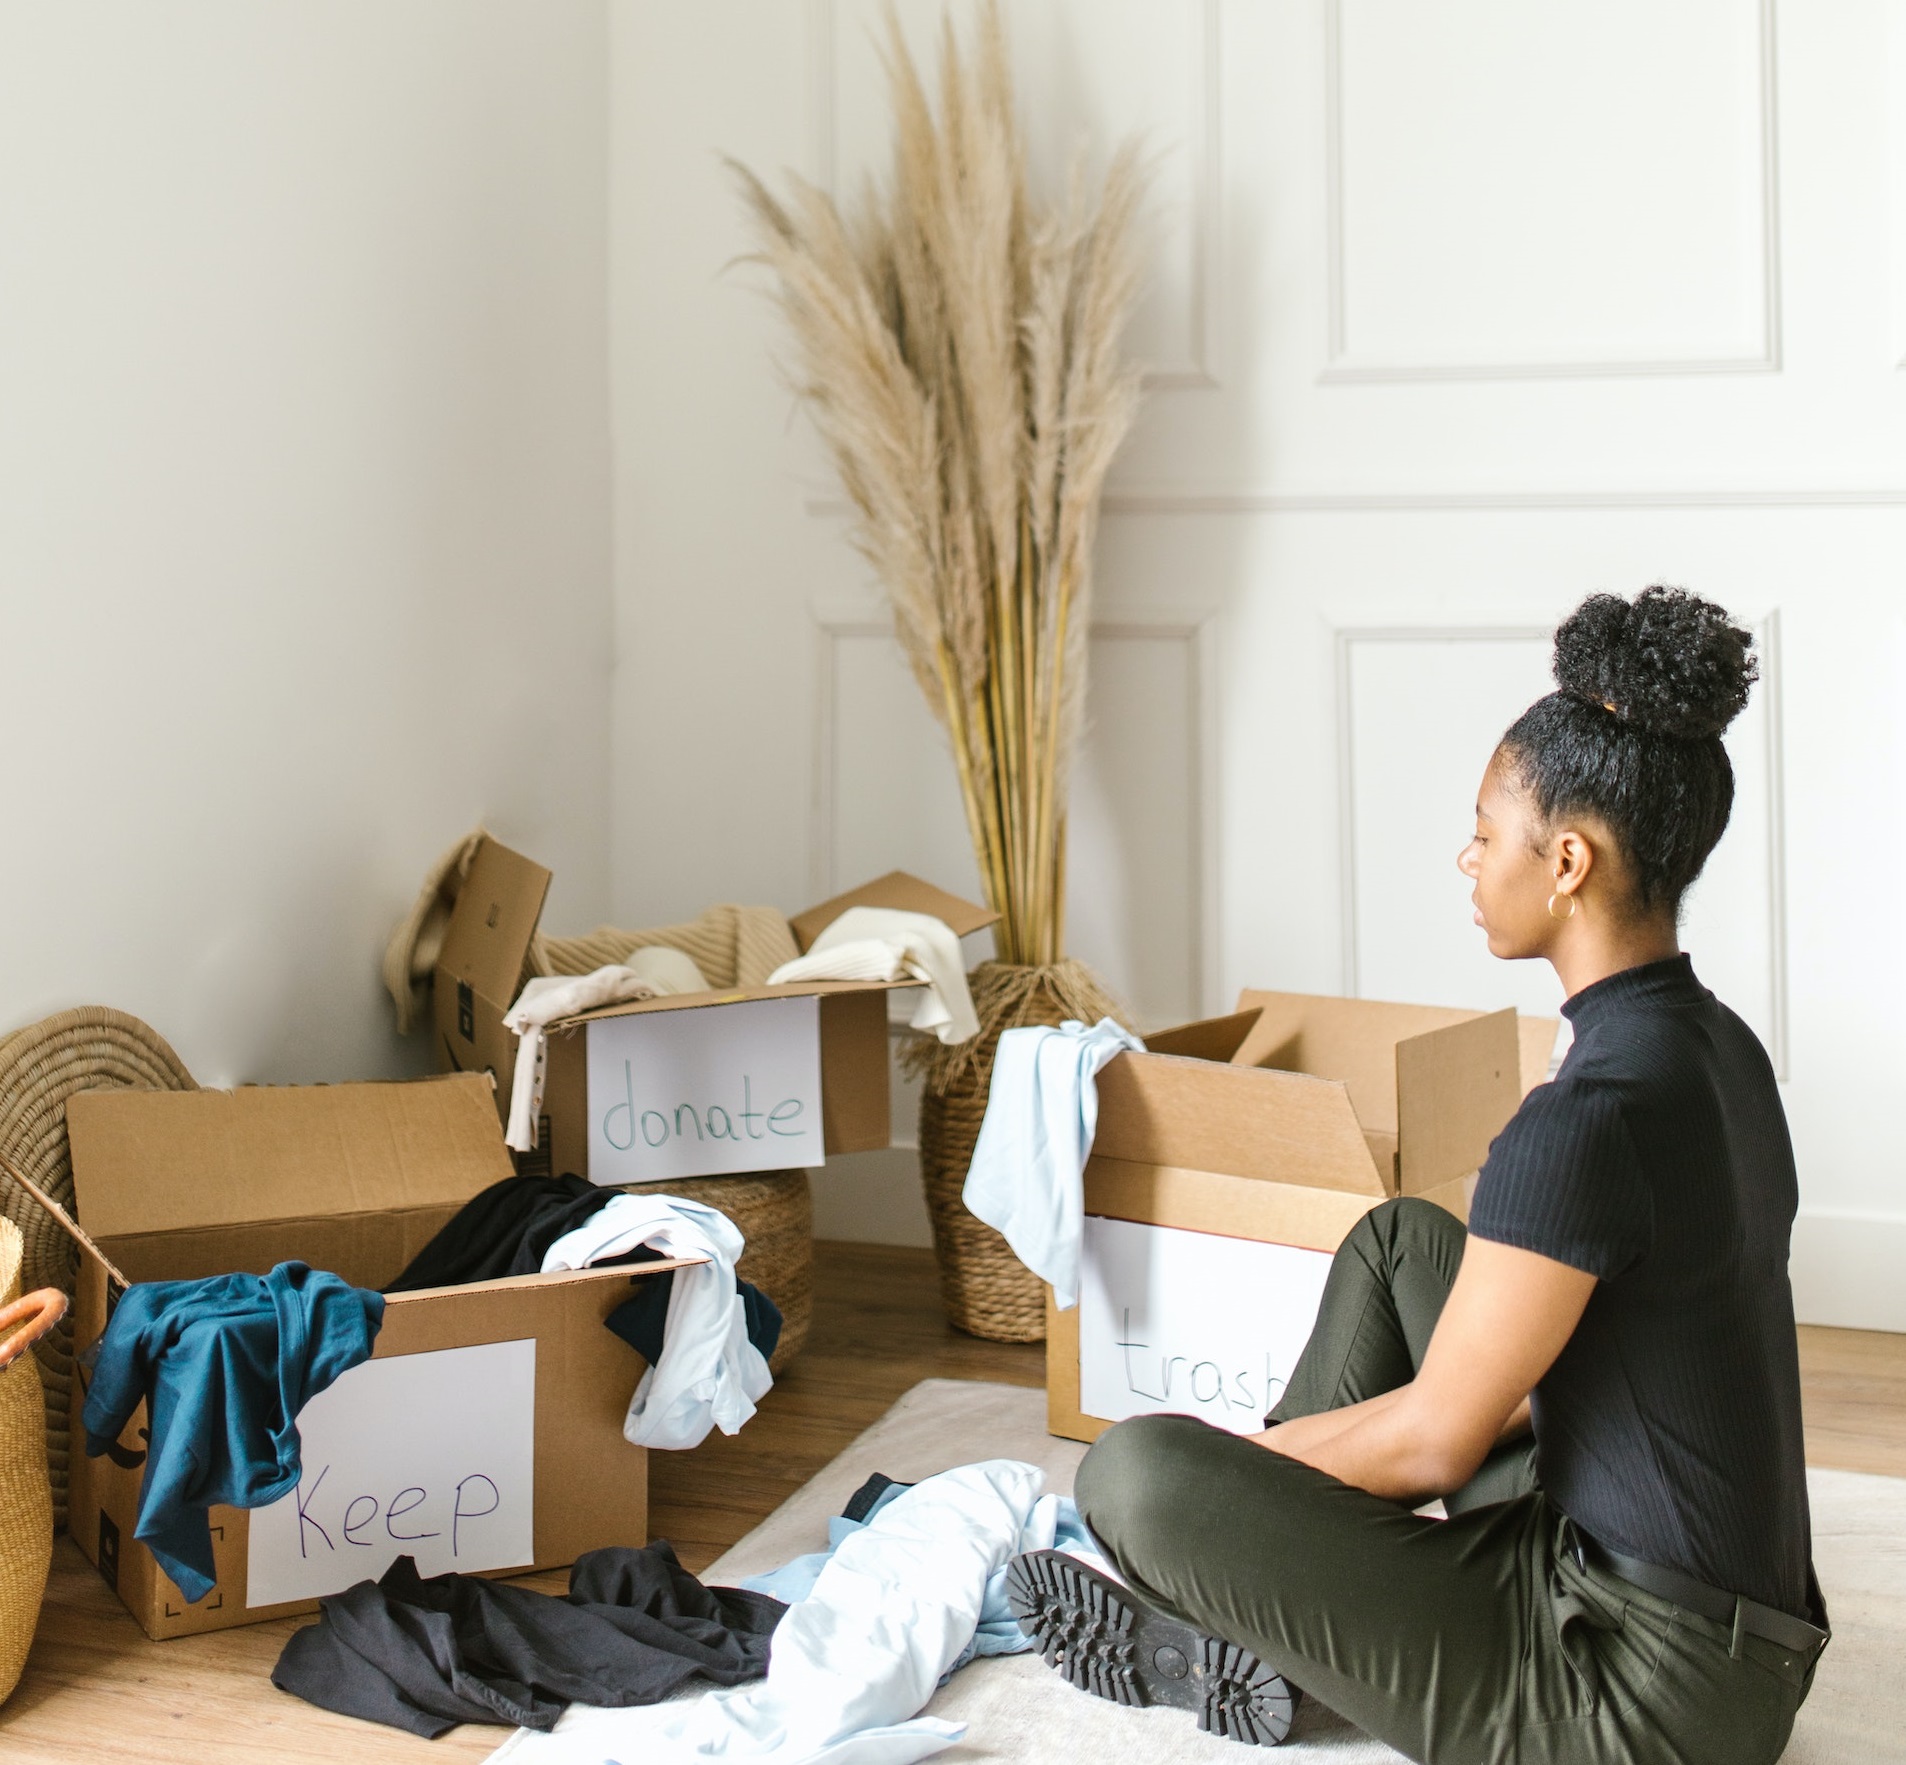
{"x": 96, "y": 1690}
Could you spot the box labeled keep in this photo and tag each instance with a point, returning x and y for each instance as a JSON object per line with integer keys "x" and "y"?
{"x": 1232, "y": 1157}
{"x": 484, "y": 1434}
{"x": 691, "y": 1084}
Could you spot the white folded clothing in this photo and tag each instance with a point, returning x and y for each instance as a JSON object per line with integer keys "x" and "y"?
{"x": 649, "y": 973}
{"x": 885, "y": 944}
{"x": 710, "y": 1374}
{"x": 852, "y": 1665}
{"x": 1027, "y": 1178}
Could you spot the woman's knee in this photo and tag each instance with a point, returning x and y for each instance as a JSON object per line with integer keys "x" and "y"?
{"x": 1409, "y": 1219}
{"x": 1136, "y": 1478}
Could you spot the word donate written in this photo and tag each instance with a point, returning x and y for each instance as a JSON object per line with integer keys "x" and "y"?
{"x": 621, "y": 1122}
{"x": 1191, "y": 1322}
{"x": 705, "y": 1090}
{"x": 429, "y": 1456}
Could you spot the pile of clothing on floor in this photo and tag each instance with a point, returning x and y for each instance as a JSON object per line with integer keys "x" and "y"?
{"x": 424, "y": 1654}
{"x": 912, "y": 1587}
{"x": 846, "y": 1645}
{"x": 225, "y": 1364}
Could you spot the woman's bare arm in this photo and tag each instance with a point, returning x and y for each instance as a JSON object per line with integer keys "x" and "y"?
{"x": 1508, "y": 1316}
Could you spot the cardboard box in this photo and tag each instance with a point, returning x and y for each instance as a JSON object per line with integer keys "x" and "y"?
{"x": 703, "y": 1054}
{"x": 1276, "y": 1129}
{"x": 177, "y": 1185}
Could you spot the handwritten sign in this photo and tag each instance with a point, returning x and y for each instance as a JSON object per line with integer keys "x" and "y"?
{"x": 422, "y": 1455}
{"x": 1191, "y": 1322}
{"x": 705, "y": 1091}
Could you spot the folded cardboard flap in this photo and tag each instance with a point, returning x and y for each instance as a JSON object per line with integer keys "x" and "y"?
{"x": 902, "y": 892}
{"x": 556, "y": 1278}
{"x": 1455, "y": 1088}
{"x": 1281, "y": 1127}
{"x": 1211, "y": 1038}
{"x": 1537, "y": 1037}
{"x": 726, "y": 996}
{"x": 494, "y": 920}
{"x": 1351, "y": 1040}
{"x": 149, "y": 1162}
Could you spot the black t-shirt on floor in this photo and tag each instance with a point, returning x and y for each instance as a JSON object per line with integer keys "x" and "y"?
{"x": 1658, "y": 1160}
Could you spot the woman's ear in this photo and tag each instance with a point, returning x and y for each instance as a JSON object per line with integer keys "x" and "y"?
{"x": 1571, "y": 857}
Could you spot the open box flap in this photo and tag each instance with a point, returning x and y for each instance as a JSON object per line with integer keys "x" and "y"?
{"x": 897, "y": 889}
{"x": 629, "y": 1271}
{"x": 64, "y": 1220}
{"x": 1350, "y": 1040}
{"x": 726, "y": 996}
{"x": 1456, "y": 1086}
{"x": 1537, "y": 1036}
{"x": 1210, "y": 1038}
{"x": 1167, "y": 1109}
{"x": 494, "y": 920}
{"x": 159, "y": 1161}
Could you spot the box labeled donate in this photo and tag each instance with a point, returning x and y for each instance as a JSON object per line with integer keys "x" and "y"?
{"x": 1231, "y": 1159}
{"x": 691, "y": 1085}
{"x": 484, "y": 1434}
{"x": 705, "y": 1093}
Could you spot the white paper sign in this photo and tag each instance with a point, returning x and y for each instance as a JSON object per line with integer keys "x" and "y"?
{"x": 423, "y": 1455}
{"x": 1190, "y": 1322}
{"x": 706, "y": 1090}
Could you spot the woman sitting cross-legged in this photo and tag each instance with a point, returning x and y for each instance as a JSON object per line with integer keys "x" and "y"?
{"x": 1633, "y": 1584}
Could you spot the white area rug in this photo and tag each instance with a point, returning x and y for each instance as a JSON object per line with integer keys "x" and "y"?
{"x": 1018, "y": 1710}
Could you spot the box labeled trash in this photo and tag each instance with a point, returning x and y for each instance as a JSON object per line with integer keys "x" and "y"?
{"x": 1231, "y": 1160}
{"x": 484, "y": 1434}
{"x": 687, "y": 1085}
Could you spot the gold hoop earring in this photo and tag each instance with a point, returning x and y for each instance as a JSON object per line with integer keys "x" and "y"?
{"x": 1559, "y": 896}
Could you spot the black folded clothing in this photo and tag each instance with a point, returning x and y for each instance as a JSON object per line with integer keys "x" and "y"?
{"x": 507, "y": 1230}
{"x": 425, "y": 1654}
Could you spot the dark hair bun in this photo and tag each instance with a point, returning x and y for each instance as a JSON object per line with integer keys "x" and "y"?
{"x": 1667, "y": 662}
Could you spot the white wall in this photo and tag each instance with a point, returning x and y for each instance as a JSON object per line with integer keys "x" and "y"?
{"x": 304, "y": 520}
{"x": 1459, "y": 314}
{"x": 315, "y": 321}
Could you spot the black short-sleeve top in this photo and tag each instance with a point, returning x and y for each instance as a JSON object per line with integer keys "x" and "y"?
{"x": 1658, "y": 1160}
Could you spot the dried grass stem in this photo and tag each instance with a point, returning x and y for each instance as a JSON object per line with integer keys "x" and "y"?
{"x": 958, "y": 349}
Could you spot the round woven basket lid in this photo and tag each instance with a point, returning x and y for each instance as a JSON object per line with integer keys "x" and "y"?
{"x": 92, "y": 1048}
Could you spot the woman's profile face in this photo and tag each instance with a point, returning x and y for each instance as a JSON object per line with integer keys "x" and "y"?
{"x": 1508, "y": 863}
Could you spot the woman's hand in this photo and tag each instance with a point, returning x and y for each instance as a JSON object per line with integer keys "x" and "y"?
{"x": 1508, "y": 1316}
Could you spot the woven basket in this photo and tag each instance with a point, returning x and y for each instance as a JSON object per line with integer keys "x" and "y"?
{"x": 987, "y": 1291}
{"x": 90, "y": 1049}
{"x": 774, "y": 1213}
{"x": 26, "y": 1500}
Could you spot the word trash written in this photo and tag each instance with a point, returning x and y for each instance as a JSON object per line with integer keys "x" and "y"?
{"x": 1158, "y": 1377}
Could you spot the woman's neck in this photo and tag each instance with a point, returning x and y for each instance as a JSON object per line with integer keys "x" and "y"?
{"x": 1599, "y": 950}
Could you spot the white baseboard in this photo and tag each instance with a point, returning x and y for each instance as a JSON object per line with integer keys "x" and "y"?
{"x": 872, "y": 1198}
{"x": 1849, "y": 1270}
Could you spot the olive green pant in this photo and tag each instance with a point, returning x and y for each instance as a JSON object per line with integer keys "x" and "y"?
{"x": 1475, "y": 1638}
